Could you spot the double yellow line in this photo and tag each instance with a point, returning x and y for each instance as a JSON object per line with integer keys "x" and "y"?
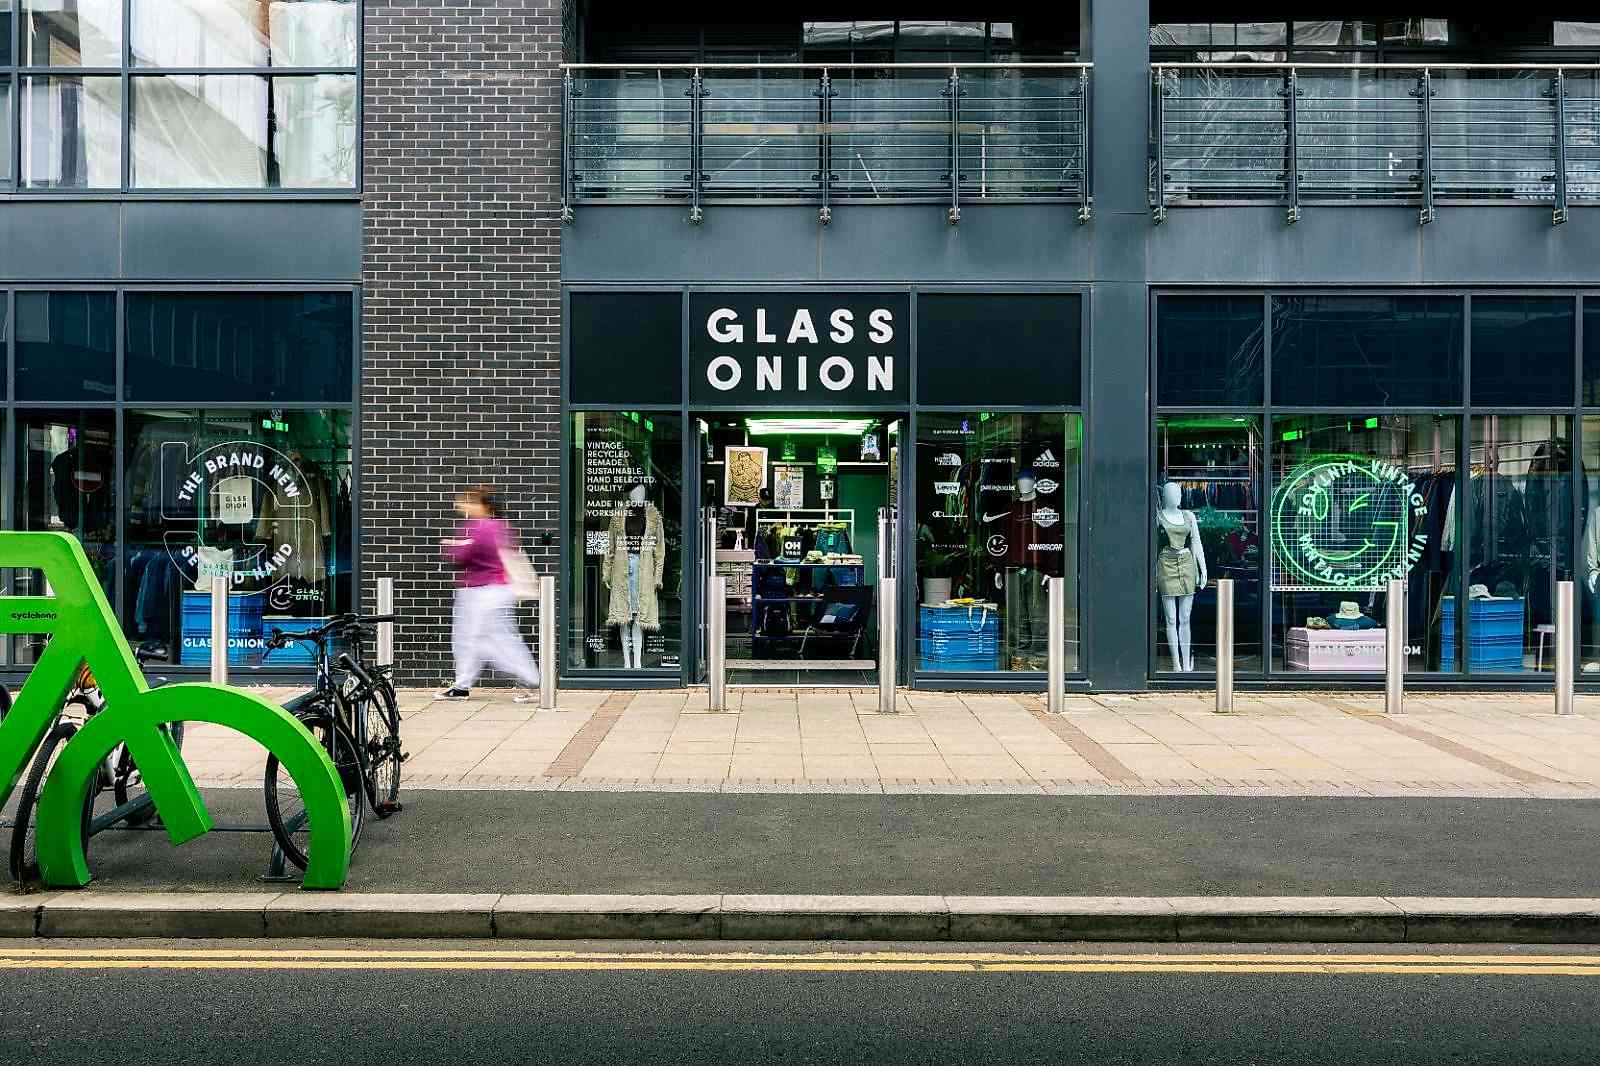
{"x": 159, "y": 958}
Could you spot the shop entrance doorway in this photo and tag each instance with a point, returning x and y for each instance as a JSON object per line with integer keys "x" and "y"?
{"x": 797, "y": 513}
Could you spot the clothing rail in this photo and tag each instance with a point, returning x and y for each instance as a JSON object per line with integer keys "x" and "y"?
{"x": 825, "y": 133}
{"x": 1308, "y": 134}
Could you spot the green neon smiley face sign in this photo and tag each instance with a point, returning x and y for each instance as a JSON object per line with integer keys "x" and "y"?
{"x": 1346, "y": 522}
{"x": 83, "y": 630}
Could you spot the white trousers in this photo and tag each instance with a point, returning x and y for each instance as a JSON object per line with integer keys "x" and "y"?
{"x": 486, "y": 632}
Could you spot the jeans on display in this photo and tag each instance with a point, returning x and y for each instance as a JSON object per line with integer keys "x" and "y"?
{"x": 1027, "y": 620}
{"x": 485, "y": 633}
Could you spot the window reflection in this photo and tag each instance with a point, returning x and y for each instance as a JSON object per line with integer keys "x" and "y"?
{"x": 72, "y": 33}
{"x": 244, "y": 33}
{"x": 72, "y": 132}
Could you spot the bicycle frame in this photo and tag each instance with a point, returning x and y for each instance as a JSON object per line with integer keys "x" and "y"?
{"x": 85, "y": 633}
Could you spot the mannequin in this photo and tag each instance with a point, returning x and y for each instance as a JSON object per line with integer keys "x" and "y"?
{"x": 1180, "y": 570}
{"x": 633, "y": 572}
{"x": 1591, "y": 567}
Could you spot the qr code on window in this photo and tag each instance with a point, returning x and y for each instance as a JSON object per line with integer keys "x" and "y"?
{"x": 598, "y": 542}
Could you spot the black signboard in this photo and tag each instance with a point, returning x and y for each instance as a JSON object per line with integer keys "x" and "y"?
{"x": 799, "y": 349}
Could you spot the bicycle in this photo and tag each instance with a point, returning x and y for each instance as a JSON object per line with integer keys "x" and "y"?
{"x": 357, "y": 721}
{"x": 118, "y": 775}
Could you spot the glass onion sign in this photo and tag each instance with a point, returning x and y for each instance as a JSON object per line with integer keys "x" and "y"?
{"x": 1347, "y": 522}
{"x": 797, "y": 349}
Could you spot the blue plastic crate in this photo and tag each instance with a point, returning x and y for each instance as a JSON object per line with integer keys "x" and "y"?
{"x": 245, "y": 640}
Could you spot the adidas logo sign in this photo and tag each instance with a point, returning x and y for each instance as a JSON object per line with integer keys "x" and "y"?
{"x": 1047, "y": 460}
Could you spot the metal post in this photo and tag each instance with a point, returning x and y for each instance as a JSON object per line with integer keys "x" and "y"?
{"x": 1560, "y": 214}
{"x": 888, "y": 600}
{"x": 954, "y": 91}
{"x": 1159, "y": 88}
{"x": 567, "y": 126}
{"x": 1565, "y": 646}
{"x": 547, "y": 642}
{"x": 717, "y": 641}
{"x": 219, "y": 630}
{"x": 1394, "y": 660}
{"x": 825, "y": 96}
{"x": 1056, "y": 674}
{"x": 1225, "y": 645}
{"x": 1085, "y": 117}
{"x": 1424, "y": 91}
{"x": 386, "y": 629}
{"x": 1292, "y": 146}
{"x": 697, "y": 93}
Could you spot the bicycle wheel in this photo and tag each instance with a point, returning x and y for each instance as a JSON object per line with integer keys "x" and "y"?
{"x": 381, "y": 743}
{"x": 23, "y": 859}
{"x": 125, "y": 776}
{"x": 286, "y": 810}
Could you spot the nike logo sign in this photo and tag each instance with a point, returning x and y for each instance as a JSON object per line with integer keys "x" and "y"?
{"x": 987, "y": 517}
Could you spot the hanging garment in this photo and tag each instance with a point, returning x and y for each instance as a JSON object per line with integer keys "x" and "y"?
{"x": 651, "y": 559}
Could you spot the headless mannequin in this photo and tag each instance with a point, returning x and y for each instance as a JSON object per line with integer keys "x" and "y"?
{"x": 1177, "y": 609}
{"x": 633, "y": 529}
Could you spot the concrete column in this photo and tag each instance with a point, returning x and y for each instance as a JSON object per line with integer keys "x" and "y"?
{"x": 1117, "y": 443}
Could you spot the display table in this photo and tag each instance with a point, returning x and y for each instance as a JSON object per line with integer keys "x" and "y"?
{"x": 1336, "y": 649}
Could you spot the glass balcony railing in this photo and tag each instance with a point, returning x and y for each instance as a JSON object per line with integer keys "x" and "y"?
{"x": 1343, "y": 133}
{"x": 826, "y": 134}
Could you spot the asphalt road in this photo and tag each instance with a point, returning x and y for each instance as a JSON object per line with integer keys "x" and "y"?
{"x": 785, "y": 1012}
{"x": 956, "y": 845}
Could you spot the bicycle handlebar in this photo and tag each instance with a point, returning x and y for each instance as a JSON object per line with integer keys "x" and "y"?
{"x": 338, "y": 624}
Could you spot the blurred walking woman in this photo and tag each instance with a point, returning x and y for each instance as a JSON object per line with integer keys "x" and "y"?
{"x": 485, "y": 626}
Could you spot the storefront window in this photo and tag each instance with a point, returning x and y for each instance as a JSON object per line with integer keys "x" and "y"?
{"x": 626, "y": 542}
{"x": 66, "y": 346}
{"x": 261, "y": 497}
{"x": 1519, "y": 533}
{"x": 997, "y": 515}
{"x": 1358, "y": 501}
{"x": 1372, "y": 349}
{"x": 1207, "y": 522}
{"x": 1588, "y": 557}
{"x": 1522, "y": 350}
{"x": 66, "y": 482}
{"x": 1211, "y": 350}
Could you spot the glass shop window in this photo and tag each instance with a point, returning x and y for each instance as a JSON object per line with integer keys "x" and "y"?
{"x": 626, "y": 542}
{"x": 1207, "y": 523}
{"x": 1377, "y": 350}
{"x": 1522, "y": 350}
{"x": 1358, "y": 501}
{"x": 66, "y": 346}
{"x": 65, "y": 481}
{"x": 259, "y": 497}
{"x": 997, "y": 515}
{"x": 1209, "y": 350}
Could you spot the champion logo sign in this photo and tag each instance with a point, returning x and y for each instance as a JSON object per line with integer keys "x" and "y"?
{"x": 1045, "y": 517}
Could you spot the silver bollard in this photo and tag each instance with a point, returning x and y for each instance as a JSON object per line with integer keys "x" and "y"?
{"x": 1565, "y": 646}
{"x": 219, "y": 630}
{"x": 386, "y": 629}
{"x": 1394, "y": 649}
{"x": 888, "y": 604}
{"x": 547, "y": 642}
{"x": 1225, "y": 645}
{"x": 1056, "y": 658}
{"x": 717, "y": 641}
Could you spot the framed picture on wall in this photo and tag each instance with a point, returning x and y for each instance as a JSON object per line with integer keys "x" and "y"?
{"x": 788, "y": 485}
{"x": 747, "y": 475}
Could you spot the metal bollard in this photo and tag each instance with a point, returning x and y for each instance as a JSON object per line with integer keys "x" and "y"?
{"x": 547, "y": 642}
{"x": 1394, "y": 649}
{"x": 1565, "y": 646}
{"x": 1056, "y": 659}
{"x": 386, "y": 629}
{"x": 888, "y": 602}
{"x": 1225, "y": 645}
{"x": 717, "y": 641}
{"x": 219, "y": 630}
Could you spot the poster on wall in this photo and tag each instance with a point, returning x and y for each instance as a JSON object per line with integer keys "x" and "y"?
{"x": 788, "y": 486}
{"x": 747, "y": 476}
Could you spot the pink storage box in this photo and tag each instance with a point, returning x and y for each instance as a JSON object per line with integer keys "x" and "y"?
{"x": 1336, "y": 649}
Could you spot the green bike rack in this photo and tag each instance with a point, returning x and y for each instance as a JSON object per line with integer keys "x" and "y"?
{"x": 84, "y": 630}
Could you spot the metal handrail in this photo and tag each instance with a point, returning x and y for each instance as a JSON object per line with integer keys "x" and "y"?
{"x": 699, "y": 133}
{"x": 1299, "y": 134}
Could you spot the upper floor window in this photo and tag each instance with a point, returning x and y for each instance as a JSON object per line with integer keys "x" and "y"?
{"x": 173, "y": 105}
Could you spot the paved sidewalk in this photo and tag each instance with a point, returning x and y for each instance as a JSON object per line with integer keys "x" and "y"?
{"x": 834, "y": 741}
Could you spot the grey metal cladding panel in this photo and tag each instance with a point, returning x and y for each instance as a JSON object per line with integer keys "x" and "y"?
{"x": 1489, "y": 245}
{"x": 865, "y": 242}
{"x": 252, "y": 241}
{"x": 58, "y": 241}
